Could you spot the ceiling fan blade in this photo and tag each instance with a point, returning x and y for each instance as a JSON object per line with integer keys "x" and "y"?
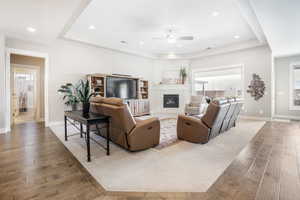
{"x": 186, "y": 38}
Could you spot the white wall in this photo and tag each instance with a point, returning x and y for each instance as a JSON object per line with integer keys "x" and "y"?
{"x": 282, "y": 81}
{"x": 162, "y": 66}
{"x": 2, "y": 83}
{"x": 70, "y": 61}
{"x": 255, "y": 60}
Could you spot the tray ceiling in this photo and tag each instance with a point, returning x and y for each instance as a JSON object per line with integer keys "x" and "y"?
{"x": 143, "y": 27}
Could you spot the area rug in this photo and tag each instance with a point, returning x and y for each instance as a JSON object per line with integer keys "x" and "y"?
{"x": 182, "y": 167}
{"x": 168, "y": 134}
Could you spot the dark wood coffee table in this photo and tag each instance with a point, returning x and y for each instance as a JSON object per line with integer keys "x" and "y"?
{"x": 87, "y": 120}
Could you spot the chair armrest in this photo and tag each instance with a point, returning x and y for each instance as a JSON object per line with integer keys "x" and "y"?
{"x": 192, "y": 129}
{"x": 146, "y": 122}
{"x": 146, "y": 134}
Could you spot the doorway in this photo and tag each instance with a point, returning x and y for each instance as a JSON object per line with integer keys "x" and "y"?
{"x": 27, "y": 84}
{"x": 219, "y": 82}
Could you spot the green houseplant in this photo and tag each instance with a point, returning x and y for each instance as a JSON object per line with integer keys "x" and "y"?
{"x": 70, "y": 97}
{"x": 84, "y": 95}
{"x": 183, "y": 75}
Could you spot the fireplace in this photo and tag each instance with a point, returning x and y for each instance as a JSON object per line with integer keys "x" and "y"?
{"x": 171, "y": 101}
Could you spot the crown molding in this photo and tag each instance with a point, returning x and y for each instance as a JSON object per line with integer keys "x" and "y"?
{"x": 216, "y": 51}
{"x": 250, "y": 17}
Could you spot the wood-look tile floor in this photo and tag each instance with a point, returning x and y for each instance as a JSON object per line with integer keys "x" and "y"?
{"x": 34, "y": 164}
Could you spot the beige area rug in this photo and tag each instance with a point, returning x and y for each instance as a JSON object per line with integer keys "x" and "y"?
{"x": 182, "y": 167}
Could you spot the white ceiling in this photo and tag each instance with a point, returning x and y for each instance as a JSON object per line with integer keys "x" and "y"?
{"x": 48, "y": 17}
{"x": 255, "y": 21}
{"x": 138, "y": 21}
{"x": 279, "y": 20}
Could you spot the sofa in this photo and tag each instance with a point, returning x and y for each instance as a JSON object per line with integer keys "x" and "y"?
{"x": 220, "y": 116}
{"x": 125, "y": 130}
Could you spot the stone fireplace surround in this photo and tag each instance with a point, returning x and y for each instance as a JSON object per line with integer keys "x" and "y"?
{"x": 157, "y": 93}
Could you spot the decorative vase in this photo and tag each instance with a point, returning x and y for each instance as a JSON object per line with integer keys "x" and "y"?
{"x": 85, "y": 108}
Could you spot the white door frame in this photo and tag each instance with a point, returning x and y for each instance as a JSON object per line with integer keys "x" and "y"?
{"x": 8, "y": 111}
{"x": 291, "y": 86}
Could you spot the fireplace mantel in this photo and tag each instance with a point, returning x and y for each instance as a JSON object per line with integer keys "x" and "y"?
{"x": 158, "y": 91}
{"x": 171, "y": 86}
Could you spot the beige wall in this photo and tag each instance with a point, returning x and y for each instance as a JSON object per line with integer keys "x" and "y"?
{"x": 27, "y": 60}
{"x": 255, "y": 60}
{"x": 37, "y": 63}
{"x": 2, "y": 83}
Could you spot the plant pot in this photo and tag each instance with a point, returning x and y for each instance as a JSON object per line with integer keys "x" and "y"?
{"x": 85, "y": 108}
{"x": 183, "y": 80}
{"x": 74, "y": 107}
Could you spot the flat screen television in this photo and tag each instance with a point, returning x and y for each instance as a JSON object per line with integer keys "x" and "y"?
{"x": 121, "y": 87}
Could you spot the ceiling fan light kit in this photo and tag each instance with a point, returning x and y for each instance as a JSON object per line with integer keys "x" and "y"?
{"x": 171, "y": 38}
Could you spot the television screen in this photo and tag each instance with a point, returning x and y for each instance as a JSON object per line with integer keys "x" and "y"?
{"x": 124, "y": 88}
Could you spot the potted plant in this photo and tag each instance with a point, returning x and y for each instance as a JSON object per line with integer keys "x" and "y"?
{"x": 69, "y": 92}
{"x": 183, "y": 75}
{"x": 84, "y": 95}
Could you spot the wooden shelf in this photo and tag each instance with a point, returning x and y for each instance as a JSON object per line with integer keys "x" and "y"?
{"x": 97, "y": 84}
{"x": 144, "y": 89}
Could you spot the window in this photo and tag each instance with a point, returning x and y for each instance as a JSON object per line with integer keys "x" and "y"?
{"x": 295, "y": 87}
{"x": 223, "y": 82}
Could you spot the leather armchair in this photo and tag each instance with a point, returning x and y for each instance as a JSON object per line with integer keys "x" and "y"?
{"x": 146, "y": 134}
{"x": 124, "y": 129}
{"x": 195, "y": 106}
{"x": 192, "y": 129}
{"x": 201, "y": 129}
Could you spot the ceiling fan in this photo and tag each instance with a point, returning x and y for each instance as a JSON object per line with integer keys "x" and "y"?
{"x": 170, "y": 37}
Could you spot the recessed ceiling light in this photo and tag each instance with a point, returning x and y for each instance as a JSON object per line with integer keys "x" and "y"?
{"x": 30, "y": 29}
{"x": 215, "y": 13}
{"x": 142, "y": 43}
{"x": 236, "y": 37}
{"x": 92, "y": 27}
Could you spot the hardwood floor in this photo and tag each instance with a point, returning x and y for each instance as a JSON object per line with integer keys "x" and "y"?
{"x": 34, "y": 164}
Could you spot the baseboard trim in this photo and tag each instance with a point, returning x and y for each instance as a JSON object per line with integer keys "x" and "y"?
{"x": 255, "y": 118}
{"x": 56, "y": 123}
{"x": 287, "y": 117}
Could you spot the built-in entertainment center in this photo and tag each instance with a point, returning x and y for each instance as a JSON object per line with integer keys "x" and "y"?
{"x": 134, "y": 91}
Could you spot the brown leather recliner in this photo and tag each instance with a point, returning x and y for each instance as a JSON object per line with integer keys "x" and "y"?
{"x": 124, "y": 129}
{"x": 201, "y": 130}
